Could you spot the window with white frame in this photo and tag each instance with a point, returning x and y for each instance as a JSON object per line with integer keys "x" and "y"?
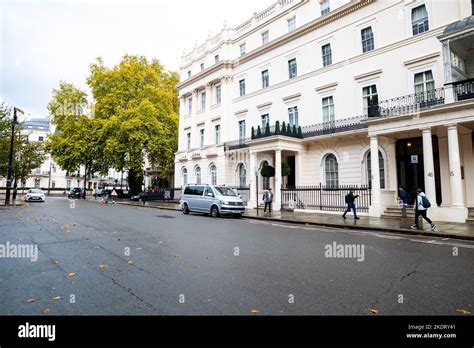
{"x": 189, "y": 73}
{"x": 242, "y": 174}
{"x": 424, "y": 86}
{"x": 265, "y": 121}
{"x": 325, "y": 7}
{"x": 292, "y": 68}
{"x": 40, "y": 138}
{"x": 243, "y": 49}
{"x": 293, "y": 116}
{"x": 53, "y": 184}
{"x": 218, "y": 94}
{"x": 419, "y": 20}
{"x": 203, "y": 100}
{"x": 184, "y": 177}
{"x": 370, "y": 99}
{"x": 458, "y": 62}
{"x": 197, "y": 173}
{"x": 188, "y": 141}
{"x": 202, "y": 66}
{"x": 328, "y": 109}
{"x": 241, "y": 130}
{"x": 201, "y": 137}
{"x": 216, "y": 58}
{"x": 331, "y": 169}
{"x": 190, "y": 105}
{"x": 68, "y": 184}
{"x": 326, "y": 54}
{"x": 217, "y": 134}
{"x": 367, "y": 37}
{"x": 213, "y": 174}
{"x": 265, "y": 37}
{"x": 265, "y": 79}
{"x": 291, "y": 23}
{"x": 381, "y": 170}
{"x": 242, "y": 87}
{"x": 38, "y": 183}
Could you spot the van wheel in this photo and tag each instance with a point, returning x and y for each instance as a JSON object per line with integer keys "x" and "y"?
{"x": 185, "y": 209}
{"x": 214, "y": 211}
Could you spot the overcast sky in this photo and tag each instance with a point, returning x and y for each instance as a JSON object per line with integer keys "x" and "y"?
{"x": 43, "y": 42}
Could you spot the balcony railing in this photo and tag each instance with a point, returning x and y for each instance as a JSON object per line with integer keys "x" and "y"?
{"x": 464, "y": 89}
{"x": 236, "y": 144}
{"x": 332, "y": 127}
{"x": 407, "y": 104}
{"x": 284, "y": 130}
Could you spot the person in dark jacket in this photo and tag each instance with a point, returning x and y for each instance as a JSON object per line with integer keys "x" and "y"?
{"x": 403, "y": 195}
{"x": 350, "y": 201}
{"x": 268, "y": 198}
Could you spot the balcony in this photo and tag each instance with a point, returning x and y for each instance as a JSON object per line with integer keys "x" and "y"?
{"x": 236, "y": 144}
{"x": 196, "y": 155}
{"x": 463, "y": 90}
{"x": 334, "y": 127}
{"x": 211, "y": 151}
{"x": 182, "y": 157}
{"x": 407, "y": 104}
{"x": 277, "y": 130}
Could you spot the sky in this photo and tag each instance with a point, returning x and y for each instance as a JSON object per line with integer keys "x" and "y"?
{"x": 46, "y": 41}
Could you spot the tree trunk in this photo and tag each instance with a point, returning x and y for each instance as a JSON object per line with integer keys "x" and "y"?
{"x": 85, "y": 180}
{"x": 135, "y": 181}
{"x": 15, "y": 185}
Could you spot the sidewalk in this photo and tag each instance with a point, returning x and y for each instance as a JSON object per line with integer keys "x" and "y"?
{"x": 444, "y": 229}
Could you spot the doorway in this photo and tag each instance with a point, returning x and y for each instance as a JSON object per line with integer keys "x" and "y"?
{"x": 291, "y": 182}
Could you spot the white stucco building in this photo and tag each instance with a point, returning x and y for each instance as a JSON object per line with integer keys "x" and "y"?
{"x": 383, "y": 91}
{"x": 50, "y": 175}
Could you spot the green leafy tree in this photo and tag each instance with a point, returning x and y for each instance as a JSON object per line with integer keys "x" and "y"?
{"x": 137, "y": 101}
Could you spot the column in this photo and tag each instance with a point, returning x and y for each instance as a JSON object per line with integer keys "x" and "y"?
{"x": 457, "y": 198}
{"x": 375, "y": 207}
{"x": 208, "y": 129}
{"x": 277, "y": 193}
{"x": 444, "y": 170}
{"x": 253, "y": 183}
{"x": 298, "y": 174}
{"x": 468, "y": 163}
{"x": 194, "y": 132}
{"x": 428, "y": 164}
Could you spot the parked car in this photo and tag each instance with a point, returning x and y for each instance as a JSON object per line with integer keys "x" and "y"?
{"x": 75, "y": 193}
{"x": 138, "y": 197}
{"x": 35, "y": 195}
{"x": 214, "y": 200}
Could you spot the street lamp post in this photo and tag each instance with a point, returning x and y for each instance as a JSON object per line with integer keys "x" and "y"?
{"x": 256, "y": 188}
{"x": 10, "y": 159}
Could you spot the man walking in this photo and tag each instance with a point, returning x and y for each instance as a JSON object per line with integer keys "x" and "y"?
{"x": 421, "y": 209}
{"x": 268, "y": 198}
{"x": 403, "y": 195}
{"x": 350, "y": 201}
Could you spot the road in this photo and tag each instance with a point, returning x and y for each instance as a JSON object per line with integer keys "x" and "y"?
{"x": 115, "y": 259}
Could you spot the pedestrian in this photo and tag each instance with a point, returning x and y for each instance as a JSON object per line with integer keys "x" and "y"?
{"x": 144, "y": 197}
{"x": 422, "y": 204}
{"x": 114, "y": 196}
{"x": 403, "y": 196}
{"x": 350, "y": 201}
{"x": 268, "y": 198}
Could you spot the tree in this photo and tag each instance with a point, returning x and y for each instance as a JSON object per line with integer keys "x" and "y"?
{"x": 267, "y": 171}
{"x": 78, "y": 140}
{"x": 138, "y": 103}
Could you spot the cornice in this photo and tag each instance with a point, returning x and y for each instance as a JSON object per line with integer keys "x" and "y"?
{"x": 224, "y": 64}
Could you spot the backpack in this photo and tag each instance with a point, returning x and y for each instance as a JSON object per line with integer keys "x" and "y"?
{"x": 425, "y": 202}
{"x": 347, "y": 199}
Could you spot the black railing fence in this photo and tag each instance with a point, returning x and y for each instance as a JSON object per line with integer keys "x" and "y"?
{"x": 325, "y": 198}
{"x": 407, "y": 104}
{"x": 336, "y": 126}
{"x": 464, "y": 89}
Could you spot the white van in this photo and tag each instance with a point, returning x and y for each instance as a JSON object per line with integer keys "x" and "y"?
{"x": 214, "y": 200}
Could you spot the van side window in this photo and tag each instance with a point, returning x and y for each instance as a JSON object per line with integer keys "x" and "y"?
{"x": 207, "y": 191}
{"x": 198, "y": 190}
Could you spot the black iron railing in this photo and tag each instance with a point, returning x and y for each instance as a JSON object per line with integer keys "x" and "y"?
{"x": 464, "y": 89}
{"x": 326, "y": 198}
{"x": 407, "y": 104}
{"x": 332, "y": 127}
{"x": 282, "y": 129}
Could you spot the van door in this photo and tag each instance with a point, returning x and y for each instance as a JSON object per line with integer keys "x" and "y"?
{"x": 197, "y": 198}
{"x": 207, "y": 199}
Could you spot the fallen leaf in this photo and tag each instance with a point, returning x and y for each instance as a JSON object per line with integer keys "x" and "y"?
{"x": 160, "y": 242}
{"x": 374, "y": 311}
{"x": 55, "y": 262}
{"x": 254, "y": 311}
{"x": 130, "y": 262}
{"x": 30, "y": 300}
{"x": 138, "y": 248}
{"x": 71, "y": 274}
{"x": 463, "y": 311}
{"x": 104, "y": 266}
{"x": 56, "y": 297}
{"x": 45, "y": 311}
{"x": 177, "y": 256}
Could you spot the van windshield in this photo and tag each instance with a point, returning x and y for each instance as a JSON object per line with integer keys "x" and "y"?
{"x": 225, "y": 191}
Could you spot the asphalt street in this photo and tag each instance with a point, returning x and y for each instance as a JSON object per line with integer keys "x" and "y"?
{"x": 114, "y": 260}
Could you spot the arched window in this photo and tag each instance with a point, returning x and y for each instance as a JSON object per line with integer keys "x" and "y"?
{"x": 213, "y": 174}
{"x": 184, "y": 177}
{"x": 332, "y": 171}
{"x": 242, "y": 173}
{"x": 266, "y": 180}
{"x": 197, "y": 172}
{"x": 381, "y": 169}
